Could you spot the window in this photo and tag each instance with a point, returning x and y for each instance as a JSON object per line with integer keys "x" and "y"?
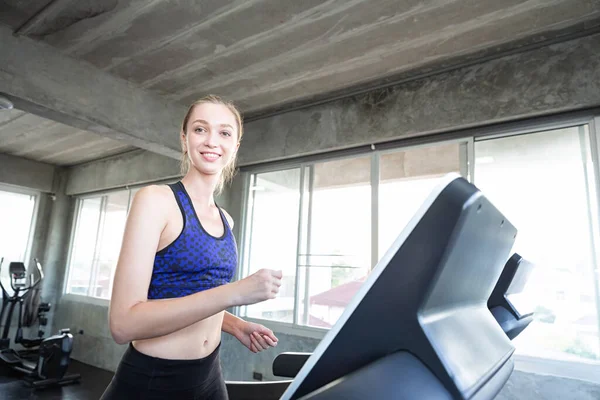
{"x": 96, "y": 244}
{"x": 16, "y": 213}
{"x": 545, "y": 184}
{"x": 273, "y": 236}
{"x": 407, "y": 177}
{"x": 337, "y": 254}
{"x": 315, "y": 222}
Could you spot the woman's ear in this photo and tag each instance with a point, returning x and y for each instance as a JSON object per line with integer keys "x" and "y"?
{"x": 183, "y": 142}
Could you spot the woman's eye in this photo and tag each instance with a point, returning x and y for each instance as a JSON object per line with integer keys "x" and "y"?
{"x": 199, "y": 129}
{"x": 226, "y": 133}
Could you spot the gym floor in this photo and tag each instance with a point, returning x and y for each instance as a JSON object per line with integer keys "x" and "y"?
{"x": 91, "y": 387}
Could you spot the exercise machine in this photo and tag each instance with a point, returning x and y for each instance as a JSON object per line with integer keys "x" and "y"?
{"x": 506, "y": 303}
{"x": 47, "y": 364}
{"x": 419, "y": 327}
{"x": 41, "y": 308}
{"x": 509, "y": 303}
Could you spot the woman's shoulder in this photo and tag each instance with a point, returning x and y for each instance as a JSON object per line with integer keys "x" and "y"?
{"x": 154, "y": 191}
{"x": 228, "y": 218}
{"x": 153, "y": 197}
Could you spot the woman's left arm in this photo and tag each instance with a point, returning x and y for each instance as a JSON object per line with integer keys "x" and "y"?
{"x": 255, "y": 337}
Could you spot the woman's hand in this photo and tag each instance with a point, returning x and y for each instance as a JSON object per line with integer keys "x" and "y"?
{"x": 260, "y": 286}
{"x": 255, "y": 337}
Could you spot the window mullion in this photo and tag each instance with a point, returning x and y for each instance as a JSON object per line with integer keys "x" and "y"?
{"x": 101, "y": 217}
{"x": 308, "y": 219}
{"x": 593, "y": 206}
{"x": 375, "y": 159}
{"x": 247, "y": 229}
{"x": 471, "y": 160}
{"x": 299, "y": 246}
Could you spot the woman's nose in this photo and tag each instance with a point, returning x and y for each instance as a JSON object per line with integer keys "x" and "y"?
{"x": 211, "y": 139}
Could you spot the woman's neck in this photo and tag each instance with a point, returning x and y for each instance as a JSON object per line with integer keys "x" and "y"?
{"x": 200, "y": 187}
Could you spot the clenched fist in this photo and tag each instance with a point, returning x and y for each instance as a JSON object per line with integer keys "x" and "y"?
{"x": 260, "y": 286}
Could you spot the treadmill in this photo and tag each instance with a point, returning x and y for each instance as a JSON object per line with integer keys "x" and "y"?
{"x": 420, "y": 326}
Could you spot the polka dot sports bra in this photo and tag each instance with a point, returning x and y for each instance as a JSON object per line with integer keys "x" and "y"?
{"x": 196, "y": 260}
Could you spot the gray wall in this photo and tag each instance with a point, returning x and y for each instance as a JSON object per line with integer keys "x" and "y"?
{"x": 133, "y": 168}
{"x": 545, "y": 81}
{"x": 89, "y": 323}
{"x": 539, "y": 82}
{"x": 19, "y": 171}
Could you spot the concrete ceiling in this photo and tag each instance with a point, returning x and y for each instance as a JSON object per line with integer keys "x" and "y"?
{"x": 32, "y": 137}
{"x": 266, "y": 55}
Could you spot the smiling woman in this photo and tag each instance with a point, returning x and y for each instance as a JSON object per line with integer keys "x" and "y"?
{"x": 194, "y": 123}
{"x": 172, "y": 283}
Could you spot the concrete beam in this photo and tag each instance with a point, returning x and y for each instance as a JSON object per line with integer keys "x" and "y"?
{"x": 134, "y": 168}
{"x": 44, "y": 82}
{"x": 50, "y": 12}
{"x": 552, "y": 79}
{"x": 26, "y": 173}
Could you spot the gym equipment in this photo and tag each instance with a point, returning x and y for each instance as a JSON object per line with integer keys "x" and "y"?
{"x": 419, "y": 327}
{"x": 48, "y": 364}
{"x": 506, "y": 293}
{"x": 26, "y": 319}
{"x": 508, "y": 304}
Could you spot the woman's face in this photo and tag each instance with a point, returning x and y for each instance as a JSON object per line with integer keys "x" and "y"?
{"x": 211, "y": 137}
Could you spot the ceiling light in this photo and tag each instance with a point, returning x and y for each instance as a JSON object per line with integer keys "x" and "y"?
{"x": 5, "y": 104}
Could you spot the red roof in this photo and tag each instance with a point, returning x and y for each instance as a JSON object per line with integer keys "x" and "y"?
{"x": 338, "y": 296}
{"x": 314, "y": 321}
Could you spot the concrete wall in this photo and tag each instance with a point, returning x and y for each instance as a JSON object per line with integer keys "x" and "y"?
{"x": 88, "y": 320}
{"x": 134, "y": 168}
{"x": 545, "y": 81}
{"x": 56, "y": 245}
{"x": 22, "y": 172}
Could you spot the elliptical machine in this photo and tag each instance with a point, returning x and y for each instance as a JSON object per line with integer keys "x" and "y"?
{"x": 47, "y": 365}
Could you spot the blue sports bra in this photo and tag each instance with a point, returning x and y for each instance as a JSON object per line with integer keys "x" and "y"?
{"x": 195, "y": 260}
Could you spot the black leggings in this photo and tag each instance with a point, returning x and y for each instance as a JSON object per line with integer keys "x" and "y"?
{"x": 140, "y": 376}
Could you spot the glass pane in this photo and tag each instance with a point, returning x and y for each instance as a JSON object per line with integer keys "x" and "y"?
{"x": 338, "y": 257}
{"x": 272, "y": 235}
{"x": 543, "y": 183}
{"x": 109, "y": 243}
{"x": 406, "y": 180}
{"x": 132, "y": 193}
{"x": 16, "y": 213}
{"x": 84, "y": 245}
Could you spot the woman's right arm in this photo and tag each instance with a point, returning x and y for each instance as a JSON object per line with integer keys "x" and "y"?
{"x": 132, "y": 316}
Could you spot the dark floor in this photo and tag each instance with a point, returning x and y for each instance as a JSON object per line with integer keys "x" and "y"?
{"x": 94, "y": 381}
{"x": 92, "y": 385}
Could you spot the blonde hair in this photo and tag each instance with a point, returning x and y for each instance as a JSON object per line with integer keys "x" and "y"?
{"x": 229, "y": 170}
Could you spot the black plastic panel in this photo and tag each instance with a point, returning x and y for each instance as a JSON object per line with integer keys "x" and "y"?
{"x": 427, "y": 296}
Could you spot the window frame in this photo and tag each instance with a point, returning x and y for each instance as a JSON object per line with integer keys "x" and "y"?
{"x": 103, "y": 195}
{"x": 374, "y": 153}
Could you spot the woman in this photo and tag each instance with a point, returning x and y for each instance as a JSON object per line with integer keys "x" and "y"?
{"x": 172, "y": 282}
